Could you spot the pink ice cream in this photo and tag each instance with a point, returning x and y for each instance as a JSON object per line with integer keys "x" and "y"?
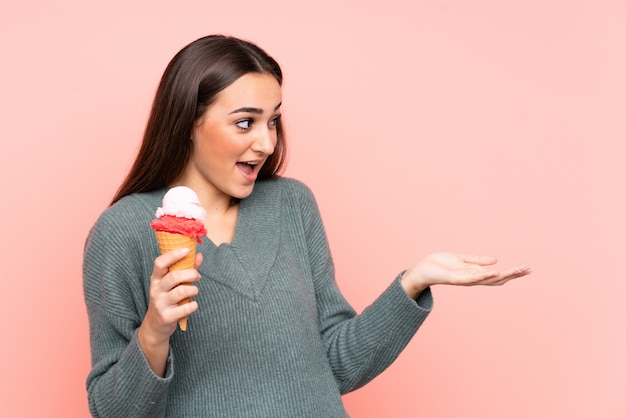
{"x": 181, "y": 213}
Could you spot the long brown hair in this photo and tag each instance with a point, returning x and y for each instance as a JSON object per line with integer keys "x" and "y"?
{"x": 189, "y": 85}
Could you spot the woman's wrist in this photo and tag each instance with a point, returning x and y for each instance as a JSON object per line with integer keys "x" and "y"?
{"x": 155, "y": 350}
{"x": 411, "y": 285}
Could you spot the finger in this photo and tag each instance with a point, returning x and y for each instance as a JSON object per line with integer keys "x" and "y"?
{"x": 501, "y": 280}
{"x": 163, "y": 262}
{"x": 173, "y": 313}
{"x": 518, "y": 271}
{"x": 169, "y": 299}
{"x": 184, "y": 310}
{"x": 199, "y": 260}
{"x": 177, "y": 277}
{"x": 497, "y": 282}
{"x": 506, "y": 276}
{"x": 182, "y": 292}
{"x": 470, "y": 278}
{"x": 481, "y": 260}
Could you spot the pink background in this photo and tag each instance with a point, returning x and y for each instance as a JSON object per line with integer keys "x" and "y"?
{"x": 480, "y": 126}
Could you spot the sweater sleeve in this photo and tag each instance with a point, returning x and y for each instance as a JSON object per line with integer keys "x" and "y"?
{"x": 359, "y": 347}
{"x": 121, "y": 382}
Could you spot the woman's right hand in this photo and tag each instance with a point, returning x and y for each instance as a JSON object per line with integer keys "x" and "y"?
{"x": 163, "y": 310}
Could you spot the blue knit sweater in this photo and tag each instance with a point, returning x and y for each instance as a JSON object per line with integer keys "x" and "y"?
{"x": 273, "y": 336}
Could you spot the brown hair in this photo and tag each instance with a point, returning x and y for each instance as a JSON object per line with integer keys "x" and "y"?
{"x": 189, "y": 85}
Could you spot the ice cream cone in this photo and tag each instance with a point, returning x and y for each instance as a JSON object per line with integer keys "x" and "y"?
{"x": 168, "y": 242}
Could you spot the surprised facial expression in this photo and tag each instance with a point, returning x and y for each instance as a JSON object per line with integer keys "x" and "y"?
{"x": 235, "y": 136}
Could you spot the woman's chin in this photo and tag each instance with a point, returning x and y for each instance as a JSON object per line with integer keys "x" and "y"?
{"x": 242, "y": 192}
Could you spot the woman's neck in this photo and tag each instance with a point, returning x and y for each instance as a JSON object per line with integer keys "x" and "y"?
{"x": 221, "y": 224}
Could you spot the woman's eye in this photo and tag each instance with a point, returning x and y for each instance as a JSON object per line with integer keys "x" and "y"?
{"x": 244, "y": 123}
{"x": 274, "y": 121}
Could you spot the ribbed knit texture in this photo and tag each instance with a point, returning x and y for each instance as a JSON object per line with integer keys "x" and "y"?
{"x": 273, "y": 336}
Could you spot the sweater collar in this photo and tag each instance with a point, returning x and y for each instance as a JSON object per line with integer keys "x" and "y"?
{"x": 245, "y": 264}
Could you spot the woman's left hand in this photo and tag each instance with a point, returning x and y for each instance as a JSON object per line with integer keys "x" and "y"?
{"x": 459, "y": 270}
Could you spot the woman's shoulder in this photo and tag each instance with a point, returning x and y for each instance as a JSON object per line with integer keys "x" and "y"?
{"x": 289, "y": 196}
{"x": 285, "y": 186}
{"x": 130, "y": 211}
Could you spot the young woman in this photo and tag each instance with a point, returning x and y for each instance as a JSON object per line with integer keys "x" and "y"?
{"x": 269, "y": 332}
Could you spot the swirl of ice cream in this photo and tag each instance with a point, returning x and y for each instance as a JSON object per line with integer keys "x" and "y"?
{"x": 182, "y": 202}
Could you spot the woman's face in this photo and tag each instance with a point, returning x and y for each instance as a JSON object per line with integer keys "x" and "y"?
{"x": 235, "y": 136}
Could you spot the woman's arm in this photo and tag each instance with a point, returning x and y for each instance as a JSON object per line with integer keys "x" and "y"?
{"x": 362, "y": 346}
{"x": 131, "y": 370}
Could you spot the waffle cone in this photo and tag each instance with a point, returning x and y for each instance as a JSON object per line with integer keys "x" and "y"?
{"x": 168, "y": 242}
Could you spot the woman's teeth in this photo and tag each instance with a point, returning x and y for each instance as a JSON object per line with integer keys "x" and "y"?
{"x": 248, "y": 167}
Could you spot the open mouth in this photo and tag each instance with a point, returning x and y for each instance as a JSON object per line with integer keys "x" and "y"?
{"x": 249, "y": 169}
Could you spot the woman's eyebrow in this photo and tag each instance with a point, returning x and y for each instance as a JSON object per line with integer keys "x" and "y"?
{"x": 253, "y": 109}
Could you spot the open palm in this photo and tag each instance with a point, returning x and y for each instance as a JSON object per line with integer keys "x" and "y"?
{"x": 460, "y": 270}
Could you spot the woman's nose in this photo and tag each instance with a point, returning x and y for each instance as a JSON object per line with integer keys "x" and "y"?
{"x": 265, "y": 141}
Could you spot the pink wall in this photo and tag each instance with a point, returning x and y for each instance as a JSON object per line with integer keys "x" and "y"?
{"x": 478, "y": 126}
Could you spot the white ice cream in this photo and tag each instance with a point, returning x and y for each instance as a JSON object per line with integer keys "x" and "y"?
{"x": 182, "y": 202}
